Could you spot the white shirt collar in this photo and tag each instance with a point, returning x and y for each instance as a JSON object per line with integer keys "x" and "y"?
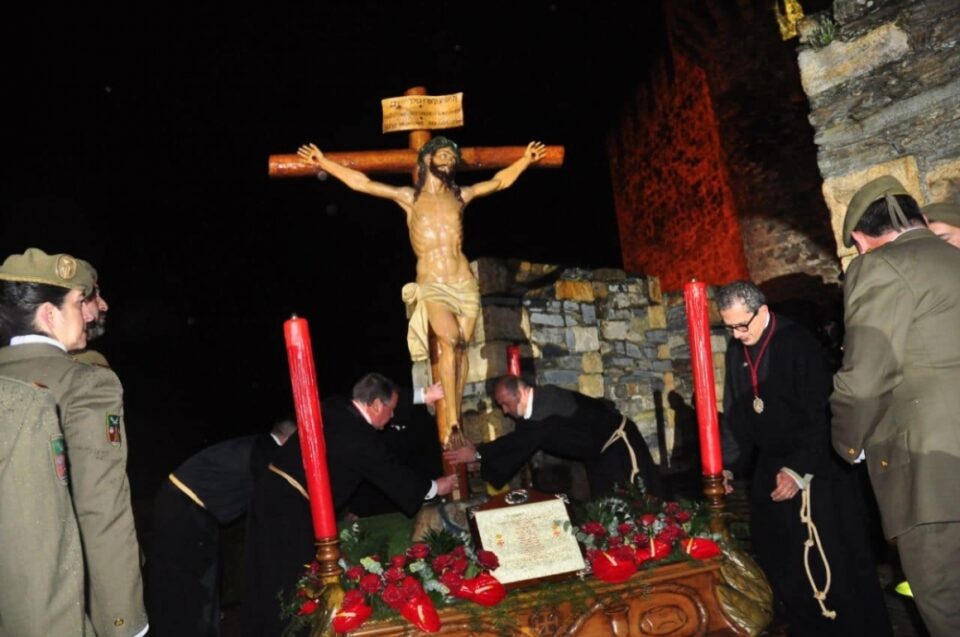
{"x": 529, "y": 411}
{"x": 363, "y": 411}
{"x": 36, "y": 338}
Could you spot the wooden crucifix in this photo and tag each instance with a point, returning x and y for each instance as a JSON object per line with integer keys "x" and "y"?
{"x": 444, "y": 303}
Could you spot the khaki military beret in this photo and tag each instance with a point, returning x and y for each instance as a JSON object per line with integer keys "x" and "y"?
{"x": 868, "y": 193}
{"x": 36, "y": 266}
{"x": 943, "y": 212}
{"x": 87, "y": 270}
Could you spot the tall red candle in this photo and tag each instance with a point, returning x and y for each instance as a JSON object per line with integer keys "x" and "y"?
{"x": 513, "y": 360}
{"x": 306, "y": 400}
{"x": 698, "y": 323}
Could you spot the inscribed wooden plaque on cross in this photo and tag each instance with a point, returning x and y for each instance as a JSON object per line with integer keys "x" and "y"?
{"x": 422, "y": 112}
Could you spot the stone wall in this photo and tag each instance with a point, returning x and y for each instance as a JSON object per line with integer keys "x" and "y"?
{"x": 883, "y": 82}
{"x": 600, "y": 332}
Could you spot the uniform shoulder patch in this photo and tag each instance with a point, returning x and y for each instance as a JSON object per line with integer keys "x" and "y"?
{"x": 113, "y": 429}
{"x": 58, "y": 451}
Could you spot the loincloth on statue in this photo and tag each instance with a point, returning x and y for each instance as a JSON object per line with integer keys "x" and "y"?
{"x": 461, "y": 298}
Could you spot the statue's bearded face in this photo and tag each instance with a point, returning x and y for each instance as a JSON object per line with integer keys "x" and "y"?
{"x": 443, "y": 164}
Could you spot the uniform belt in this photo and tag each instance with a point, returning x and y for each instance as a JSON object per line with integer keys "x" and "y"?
{"x": 289, "y": 478}
{"x": 187, "y": 491}
{"x": 621, "y": 434}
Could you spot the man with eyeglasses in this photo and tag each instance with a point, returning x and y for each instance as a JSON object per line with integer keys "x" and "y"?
{"x": 896, "y": 400}
{"x": 775, "y": 407}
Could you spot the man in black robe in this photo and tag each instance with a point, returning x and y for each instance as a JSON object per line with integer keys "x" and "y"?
{"x": 568, "y": 425}
{"x": 412, "y": 436}
{"x": 280, "y": 539}
{"x": 210, "y": 489}
{"x": 775, "y": 404}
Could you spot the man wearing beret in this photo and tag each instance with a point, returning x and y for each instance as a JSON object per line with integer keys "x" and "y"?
{"x": 42, "y": 302}
{"x": 896, "y": 403}
{"x": 96, "y": 307}
{"x": 944, "y": 221}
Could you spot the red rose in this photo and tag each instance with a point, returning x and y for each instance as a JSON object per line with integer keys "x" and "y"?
{"x": 354, "y": 597}
{"x": 307, "y": 607}
{"x": 594, "y": 528}
{"x": 370, "y": 583}
{"x": 441, "y": 563}
{"x": 459, "y": 551}
{"x": 615, "y": 541}
{"x": 452, "y": 580}
{"x": 393, "y": 596}
{"x": 398, "y": 560}
{"x": 622, "y": 553}
{"x": 671, "y": 533}
{"x": 640, "y": 539}
{"x": 683, "y": 516}
{"x": 418, "y": 551}
{"x": 648, "y": 519}
{"x": 487, "y": 560}
{"x": 354, "y": 573}
{"x": 394, "y": 574}
{"x": 411, "y": 586}
{"x": 460, "y": 565}
{"x": 624, "y": 528}
{"x": 672, "y": 508}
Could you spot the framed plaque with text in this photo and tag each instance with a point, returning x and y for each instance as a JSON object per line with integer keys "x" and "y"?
{"x": 527, "y": 531}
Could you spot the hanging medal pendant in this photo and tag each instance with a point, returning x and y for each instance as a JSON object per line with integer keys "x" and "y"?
{"x": 758, "y": 404}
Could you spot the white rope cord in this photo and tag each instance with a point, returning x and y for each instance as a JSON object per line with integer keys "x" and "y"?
{"x": 813, "y": 539}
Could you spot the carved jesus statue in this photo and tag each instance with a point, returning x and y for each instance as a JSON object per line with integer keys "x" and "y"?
{"x": 446, "y": 295}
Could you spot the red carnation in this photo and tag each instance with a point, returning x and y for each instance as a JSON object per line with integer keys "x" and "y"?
{"x": 354, "y": 573}
{"x": 683, "y": 516}
{"x": 487, "y": 560}
{"x": 624, "y": 528}
{"x": 459, "y": 565}
{"x": 398, "y": 561}
{"x": 370, "y": 583}
{"x": 648, "y": 519}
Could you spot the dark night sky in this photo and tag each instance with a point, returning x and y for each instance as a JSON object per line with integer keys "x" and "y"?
{"x": 137, "y": 137}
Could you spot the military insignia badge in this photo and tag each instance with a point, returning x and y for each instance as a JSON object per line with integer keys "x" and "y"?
{"x": 113, "y": 429}
{"x": 66, "y": 267}
{"x": 59, "y": 451}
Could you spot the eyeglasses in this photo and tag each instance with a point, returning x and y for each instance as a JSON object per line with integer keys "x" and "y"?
{"x": 741, "y": 327}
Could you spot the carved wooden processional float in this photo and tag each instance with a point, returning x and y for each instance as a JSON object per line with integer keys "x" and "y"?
{"x": 551, "y": 589}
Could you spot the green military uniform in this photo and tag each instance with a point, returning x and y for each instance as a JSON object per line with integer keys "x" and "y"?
{"x": 90, "y": 401}
{"x": 897, "y": 399}
{"x": 41, "y": 561}
{"x": 91, "y": 407}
